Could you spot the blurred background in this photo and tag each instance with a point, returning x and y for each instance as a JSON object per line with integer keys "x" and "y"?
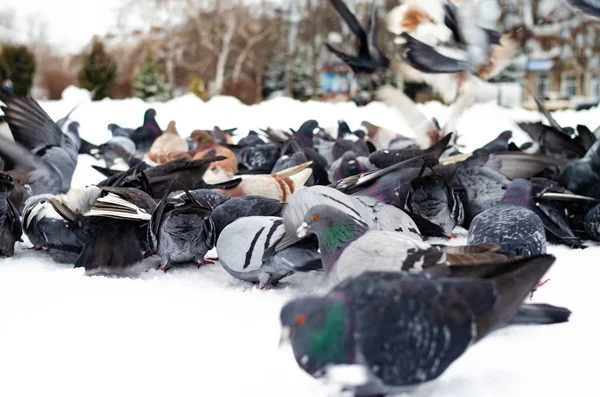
{"x": 259, "y": 49}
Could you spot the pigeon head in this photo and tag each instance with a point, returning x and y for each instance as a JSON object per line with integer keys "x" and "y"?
{"x": 518, "y": 192}
{"x": 6, "y": 182}
{"x": 334, "y": 229}
{"x": 361, "y": 133}
{"x": 112, "y": 127}
{"x": 74, "y": 127}
{"x": 343, "y": 129}
{"x": 150, "y": 114}
{"x": 350, "y": 166}
{"x": 304, "y": 135}
{"x": 320, "y": 332}
{"x": 505, "y": 136}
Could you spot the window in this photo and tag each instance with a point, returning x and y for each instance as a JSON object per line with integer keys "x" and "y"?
{"x": 595, "y": 87}
{"x": 569, "y": 84}
{"x": 542, "y": 85}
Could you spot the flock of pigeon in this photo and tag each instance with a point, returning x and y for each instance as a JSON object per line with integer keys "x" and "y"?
{"x": 358, "y": 206}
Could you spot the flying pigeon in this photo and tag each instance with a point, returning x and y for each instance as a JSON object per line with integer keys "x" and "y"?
{"x": 510, "y": 224}
{"x": 369, "y": 58}
{"x": 403, "y": 330}
{"x": 40, "y": 149}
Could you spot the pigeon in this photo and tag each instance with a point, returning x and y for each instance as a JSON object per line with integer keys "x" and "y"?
{"x": 116, "y": 220}
{"x": 401, "y": 329}
{"x": 388, "y": 157}
{"x": 115, "y": 130}
{"x": 579, "y": 176}
{"x": 343, "y": 145}
{"x": 169, "y": 142}
{"x": 348, "y": 247}
{"x": 247, "y": 249}
{"x": 510, "y": 224}
{"x": 252, "y": 139}
{"x": 376, "y": 214}
{"x": 144, "y": 136}
{"x": 118, "y": 152}
{"x": 181, "y": 231}
{"x": 590, "y": 8}
{"x": 85, "y": 147}
{"x": 369, "y": 58}
{"x": 500, "y": 144}
{"x": 349, "y": 164}
{"x": 592, "y": 223}
{"x": 10, "y": 223}
{"x": 240, "y": 207}
{"x": 40, "y": 149}
{"x": 278, "y": 186}
{"x": 188, "y": 174}
{"x": 432, "y": 198}
{"x": 46, "y": 229}
{"x": 207, "y": 146}
{"x": 260, "y": 157}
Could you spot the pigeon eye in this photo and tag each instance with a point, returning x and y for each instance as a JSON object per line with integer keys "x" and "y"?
{"x": 315, "y": 218}
{"x": 300, "y": 319}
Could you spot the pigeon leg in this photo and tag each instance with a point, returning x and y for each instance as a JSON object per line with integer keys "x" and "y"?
{"x": 450, "y": 236}
{"x": 207, "y": 261}
{"x": 164, "y": 265}
{"x": 538, "y": 286}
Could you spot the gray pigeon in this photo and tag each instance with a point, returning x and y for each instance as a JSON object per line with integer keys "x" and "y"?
{"x": 40, "y": 149}
{"x": 181, "y": 231}
{"x": 116, "y": 130}
{"x": 403, "y": 330}
{"x": 349, "y": 248}
{"x": 248, "y": 250}
{"x": 432, "y": 198}
{"x": 374, "y": 213}
{"x": 510, "y": 224}
{"x": 46, "y": 229}
{"x": 10, "y": 223}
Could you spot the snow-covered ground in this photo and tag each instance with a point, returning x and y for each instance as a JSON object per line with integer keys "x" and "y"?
{"x": 202, "y": 333}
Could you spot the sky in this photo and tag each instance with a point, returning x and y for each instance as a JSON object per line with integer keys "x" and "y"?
{"x": 70, "y": 23}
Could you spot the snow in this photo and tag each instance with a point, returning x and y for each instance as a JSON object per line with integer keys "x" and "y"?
{"x": 200, "y": 332}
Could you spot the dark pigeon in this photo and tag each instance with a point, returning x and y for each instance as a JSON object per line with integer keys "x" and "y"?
{"x": 511, "y": 224}
{"x": 144, "y": 136}
{"x": 432, "y": 198}
{"x": 240, "y": 207}
{"x": 369, "y": 58}
{"x": 405, "y": 329}
{"x": 260, "y": 158}
{"x": 10, "y": 222}
{"x": 181, "y": 231}
{"x": 581, "y": 175}
{"x": 46, "y": 229}
{"x": 500, "y": 144}
{"x": 116, "y": 220}
{"x": 349, "y": 164}
{"x": 252, "y": 139}
{"x": 388, "y": 157}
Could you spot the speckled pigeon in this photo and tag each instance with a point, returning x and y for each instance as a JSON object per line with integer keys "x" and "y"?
{"x": 249, "y": 250}
{"x": 349, "y": 248}
{"x": 403, "y": 330}
{"x": 511, "y": 224}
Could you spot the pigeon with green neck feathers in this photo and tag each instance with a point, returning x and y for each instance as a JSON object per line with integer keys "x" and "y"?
{"x": 403, "y": 329}
{"x": 348, "y": 247}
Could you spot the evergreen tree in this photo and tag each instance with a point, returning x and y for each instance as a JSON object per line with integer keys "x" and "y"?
{"x": 99, "y": 71}
{"x": 149, "y": 82}
{"x": 274, "y": 78}
{"x": 18, "y": 64}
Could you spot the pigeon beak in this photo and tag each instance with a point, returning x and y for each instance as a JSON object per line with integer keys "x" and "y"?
{"x": 302, "y": 230}
{"x": 286, "y": 334}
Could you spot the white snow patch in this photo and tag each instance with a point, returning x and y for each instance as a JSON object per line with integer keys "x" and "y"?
{"x": 200, "y": 332}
